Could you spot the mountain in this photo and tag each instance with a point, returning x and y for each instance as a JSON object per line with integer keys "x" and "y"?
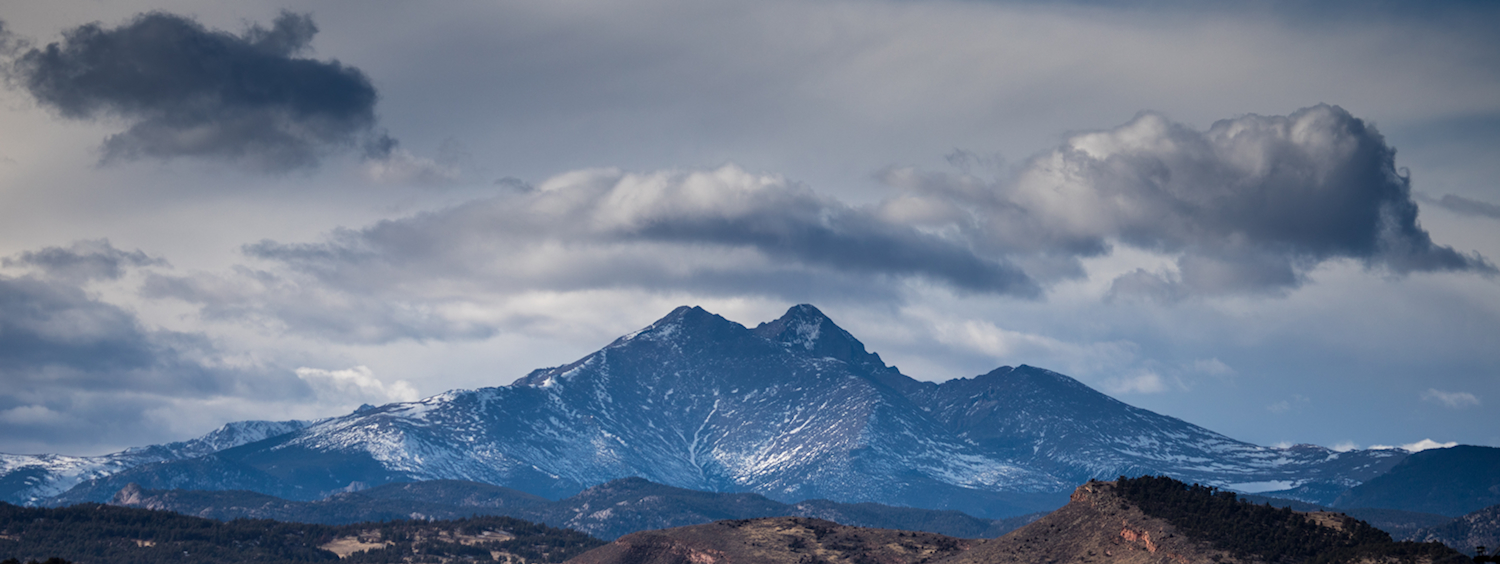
{"x": 793, "y": 409}
{"x": 1098, "y": 525}
{"x": 121, "y": 535}
{"x": 605, "y": 511}
{"x": 1402, "y": 525}
{"x": 440, "y": 499}
{"x": 1480, "y": 528}
{"x": 1448, "y": 481}
{"x": 27, "y": 479}
{"x": 1049, "y": 421}
{"x": 1155, "y": 519}
{"x": 1134, "y": 521}
{"x": 1317, "y": 493}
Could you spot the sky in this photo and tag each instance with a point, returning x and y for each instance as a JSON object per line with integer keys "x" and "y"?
{"x": 1278, "y": 222}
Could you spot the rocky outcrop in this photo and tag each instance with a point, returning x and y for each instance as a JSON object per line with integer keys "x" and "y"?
{"x": 1096, "y": 526}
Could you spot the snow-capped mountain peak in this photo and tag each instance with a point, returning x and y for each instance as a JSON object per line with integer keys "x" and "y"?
{"x": 795, "y": 408}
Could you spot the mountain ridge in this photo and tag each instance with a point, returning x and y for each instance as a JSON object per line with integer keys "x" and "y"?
{"x": 28, "y": 479}
{"x": 795, "y": 408}
{"x": 605, "y": 511}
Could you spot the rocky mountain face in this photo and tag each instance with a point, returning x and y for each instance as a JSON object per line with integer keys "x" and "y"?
{"x": 792, "y": 409}
{"x": 1046, "y": 420}
{"x": 1480, "y": 528}
{"x": 1447, "y": 481}
{"x": 28, "y": 479}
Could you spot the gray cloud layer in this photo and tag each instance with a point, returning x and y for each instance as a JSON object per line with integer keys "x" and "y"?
{"x": 785, "y": 223}
{"x": 83, "y": 261}
{"x": 1252, "y": 204}
{"x": 74, "y": 367}
{"x": 188, "y": 91}
{"x": 1467, "y": 206}
{"x": 720, "y": 232}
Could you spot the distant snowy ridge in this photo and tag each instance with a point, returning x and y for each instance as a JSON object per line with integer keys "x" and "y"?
{"x": 26, "y": 479}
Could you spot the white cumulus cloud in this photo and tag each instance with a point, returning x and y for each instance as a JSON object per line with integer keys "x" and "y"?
{"x": 1426, "y": 444}
{"x": 1455, "y": 400}
{"x": 355, "y": 385}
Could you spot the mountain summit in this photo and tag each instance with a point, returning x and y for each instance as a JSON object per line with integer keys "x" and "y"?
{"x": 795, "y": 408}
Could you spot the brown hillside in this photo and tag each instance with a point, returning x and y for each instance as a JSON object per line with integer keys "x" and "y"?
{"x": 1104, "y": 523}
{"x": 1096, "y": 526}
{"x": 776, "y": 540}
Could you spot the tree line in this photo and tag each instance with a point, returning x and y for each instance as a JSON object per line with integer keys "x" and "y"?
{"x": 105, "y": 533}
{"x": 1276, "y": 535}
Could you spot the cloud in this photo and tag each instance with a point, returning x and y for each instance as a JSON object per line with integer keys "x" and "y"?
{"x": 1466, "y": 206}
{"x": 82, "y": 374}
{"x": 1145, "y": 382}
{"x": 354, "y": 386}
{"x": 1000, "y": 345}
{"x": 1426, "y": 444}
{"x": 1283, "y": 406}
{"x": 399, "y": 166}
{"x": 188, "y": 91}
{"x": 1212, "y": 367}
{"x": 723, "y": 231}
{"x": 75, "y": 369}
{"x": 32, "y": 415}
{"x": 1453, "y": 400}
{"x": 51, "y": 331}
{"x": 1249, "y": 206}
{"x": 83, "y": 261}
{"x": 8, "y": 43}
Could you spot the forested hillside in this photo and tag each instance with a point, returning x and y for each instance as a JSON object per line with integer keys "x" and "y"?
{"x": 1275, "y": 535}
{"x": 91, "y": 533}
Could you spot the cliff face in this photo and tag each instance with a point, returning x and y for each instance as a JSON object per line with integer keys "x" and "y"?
{"x": 1096, "y": 526}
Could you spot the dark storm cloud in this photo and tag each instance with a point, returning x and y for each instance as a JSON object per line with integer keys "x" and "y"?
{"x": 1252, "y": 204}
{"x": 188, "y": 91}
{"x": 1466, "y": 206}
{"x": 83, "y": 261}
